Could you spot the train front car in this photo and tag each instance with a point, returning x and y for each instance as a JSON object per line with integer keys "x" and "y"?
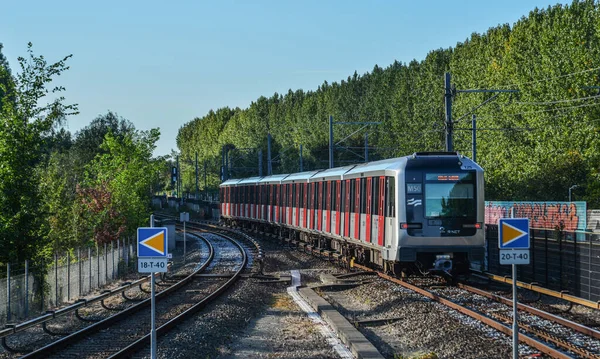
{"x": 442, "y": 223}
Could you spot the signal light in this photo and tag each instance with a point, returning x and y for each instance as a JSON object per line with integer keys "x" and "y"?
{"x": 476, "y": 226}
{"x": 411, "y": 225}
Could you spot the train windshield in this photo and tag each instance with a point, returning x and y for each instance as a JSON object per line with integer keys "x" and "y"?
{"x": 449, "y": 195}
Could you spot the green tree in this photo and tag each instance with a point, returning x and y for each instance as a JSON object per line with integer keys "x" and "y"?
{"x": 25, "y": 123}
{"x": 115, "y": 197}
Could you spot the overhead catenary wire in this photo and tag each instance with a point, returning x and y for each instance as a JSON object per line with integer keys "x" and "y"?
{"x": 550, "y": 78}
{"x": 541, "y": 111}
{"x": 557, "y": 101}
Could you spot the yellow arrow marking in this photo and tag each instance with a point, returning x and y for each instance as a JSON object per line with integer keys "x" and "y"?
{"x": 156, "y": 242}
{"x": 510, "y": 233}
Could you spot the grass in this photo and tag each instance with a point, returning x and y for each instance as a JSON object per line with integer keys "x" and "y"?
{"x": 430, "y": 355}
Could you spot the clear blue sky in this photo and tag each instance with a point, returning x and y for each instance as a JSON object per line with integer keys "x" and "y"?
{"x": 160, "y": 64}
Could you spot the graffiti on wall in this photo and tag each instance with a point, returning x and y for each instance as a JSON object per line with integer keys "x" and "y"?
{"x": 548, "y": 215}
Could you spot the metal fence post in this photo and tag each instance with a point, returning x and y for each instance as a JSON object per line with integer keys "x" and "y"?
{"x": 546, "y": 255}
{"x": 98, "y": 261}
{"x": 532, "y": 254}
{"x": 42, "y": 280}
{"x": 560, "y": 259}
{"x": 26, "y": 288}
{"x": 80, "y": 281}
{"x": 8, "y": 292}
{"x": 55, "y": 279}
{"x": 68, "y": 276}
{"x": 90, "y": 265}
{"x": 112, "y": 255}
{"x": 118, "y": 255}
{"x": 105, "y": 263}
{"x": 576, "y": 288}
{"x": 589, "y": 266}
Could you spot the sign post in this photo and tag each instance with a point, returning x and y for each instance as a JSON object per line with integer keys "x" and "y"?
{"x": 184, "y": 217}
{"x": 513, "y": 241}
{"x": 152, "y": 257}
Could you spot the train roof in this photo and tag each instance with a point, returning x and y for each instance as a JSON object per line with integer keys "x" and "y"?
{"x": 388, "y": 167}
{"x": 302, "y": 177}
{"x": 230, "y": 182}
{"x": 331, "y": 174}
{"x": 249, "y": 180}
{"x": 273, "y": 179}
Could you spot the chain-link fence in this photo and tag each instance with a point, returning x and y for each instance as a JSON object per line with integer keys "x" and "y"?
{"x": 28, "y": 290}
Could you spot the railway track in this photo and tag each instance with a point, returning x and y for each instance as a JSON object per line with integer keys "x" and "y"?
{"x": 127, "y": 332}
{"x": 548, "y": 333}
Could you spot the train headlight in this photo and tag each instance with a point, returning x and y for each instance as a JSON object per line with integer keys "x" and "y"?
{"x": 411, "y": 225}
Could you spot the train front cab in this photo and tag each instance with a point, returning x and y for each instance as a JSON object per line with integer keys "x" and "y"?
{"x": 442, "y": 221}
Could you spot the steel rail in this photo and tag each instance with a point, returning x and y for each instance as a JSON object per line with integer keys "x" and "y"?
{"x": 549, "y": 337}
{"x": 473, "y": 314}
{"x": 78, "y": 335}
{"x": 537, "y": 312}
{"x": 145, "y": 340}
{"x": 80, "y": 303}
{"x": 539, "y": 289}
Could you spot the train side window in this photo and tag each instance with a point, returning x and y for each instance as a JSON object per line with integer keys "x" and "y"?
{"x": 363, "y": 196}
{"x": 343, "y": 196}
{"x": 375, "y": 196}
{"x": 321, "y": 196}
{"x": 293, "y": 195}
{"x": 325, "y": 196}
{"x": 307, "y": 196}
{"x": 389, "y": 196}
{"x": 352, "y": 194}
{"x": 333, "y": 187}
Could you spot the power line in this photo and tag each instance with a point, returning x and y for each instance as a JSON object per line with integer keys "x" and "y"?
{"x": 558, "y": 101}
{"x": 541, "y": 111}
{"x": 551, "y": 78}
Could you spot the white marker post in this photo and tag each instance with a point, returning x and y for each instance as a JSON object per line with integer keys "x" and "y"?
{"x": 184, "y": 217}
{"x": 153, "y": 345}
{"x": 152, "y": 257}
{"x": 513, "y": 241}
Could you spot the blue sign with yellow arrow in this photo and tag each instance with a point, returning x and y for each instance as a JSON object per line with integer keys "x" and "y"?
{"x": 513, "y": 233}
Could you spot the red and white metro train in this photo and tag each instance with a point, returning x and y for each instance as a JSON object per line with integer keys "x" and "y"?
{"x": 419, "y": 212}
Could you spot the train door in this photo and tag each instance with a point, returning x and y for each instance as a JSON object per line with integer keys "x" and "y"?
{"x": 276, "y": 203}
{"x": 327, "y": 206}
{"x": 269, "y": 203}
{"x": 290, "y": 203}
{"x": 311, "y": 205}
{"x": 320, "y": 206}
{"x": 256, "y": 201}
{"x": 298, "y": 203}
{"x": 357, "y": 209}
{"x": 304, "y": 207}
{"x": 346, "y": 231}
{"x": 234, "y": 201}
{"x": 251, "y": 202}
{"x": 381, "y": 207}
{"x": 338, "y": 207}
{"x": 368, "y": 209}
